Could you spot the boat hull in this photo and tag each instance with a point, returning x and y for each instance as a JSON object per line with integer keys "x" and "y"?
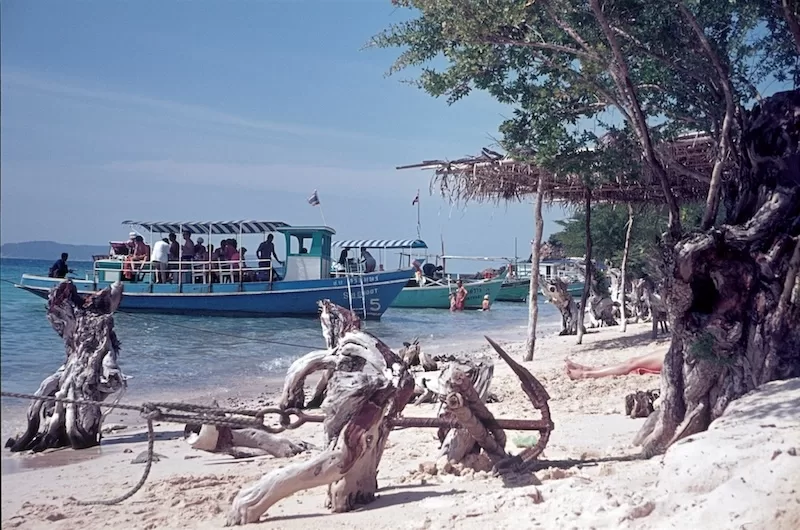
{"x": 438, "y": 297}
{"x": 262, "y": 299}
{"x": 518, "y": 291}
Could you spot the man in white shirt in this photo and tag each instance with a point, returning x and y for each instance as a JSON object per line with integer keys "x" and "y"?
{"x": 159, "y": 258}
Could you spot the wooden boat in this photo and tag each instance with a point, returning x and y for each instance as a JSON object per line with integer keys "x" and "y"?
{"x": 228, "y": 288}
{"x": 517, "y": 285}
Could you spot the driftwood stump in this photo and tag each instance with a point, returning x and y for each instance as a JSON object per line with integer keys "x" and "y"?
{"x": 90, "y": 371}
{"x": 336, "y": 322}
{"x": 369, "y": 386}
{"x": 555, "y": 291}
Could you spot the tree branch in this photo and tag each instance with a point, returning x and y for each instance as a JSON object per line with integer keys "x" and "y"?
{"x": 569, "y": 30}
{"x": 625, "y": 86}
{"x": 791, "y": 21}
{"x": 712, "y": 201}
{"x": 497, "y": 39}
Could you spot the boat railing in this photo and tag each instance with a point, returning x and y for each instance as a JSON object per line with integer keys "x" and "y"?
{"x": 184, "y": 271}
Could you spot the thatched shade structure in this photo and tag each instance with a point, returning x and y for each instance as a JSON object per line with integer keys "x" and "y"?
{"x": 492, "y": 176}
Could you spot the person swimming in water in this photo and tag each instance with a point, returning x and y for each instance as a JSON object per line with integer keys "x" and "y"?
{"x": 485, "y": 305}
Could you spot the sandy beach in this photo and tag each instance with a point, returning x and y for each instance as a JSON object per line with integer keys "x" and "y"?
{"x": 742, "y": 473}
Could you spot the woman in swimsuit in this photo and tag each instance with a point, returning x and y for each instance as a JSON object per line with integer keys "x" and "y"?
{"x": 644, "y": 364}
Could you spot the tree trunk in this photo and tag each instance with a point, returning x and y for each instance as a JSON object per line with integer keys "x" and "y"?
{"x": 89, "y": 373}
{"x": 790, "y": 14}
{"x": 533, "y": 291}
{"x": 589, "y": 269}
{"x": 735, "y": 300}
{"x": 624, "y": 269}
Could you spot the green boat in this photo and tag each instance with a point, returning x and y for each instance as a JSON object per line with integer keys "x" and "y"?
{"x": 517, "y": 286}
{"x": 517, "y": 290}
{"x": 436, "y": 294}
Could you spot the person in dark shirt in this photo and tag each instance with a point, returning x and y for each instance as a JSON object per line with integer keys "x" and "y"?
{"x": 60, "y": 268}
{"x": 174, "y": 247}
{"x": 265, "y": 252}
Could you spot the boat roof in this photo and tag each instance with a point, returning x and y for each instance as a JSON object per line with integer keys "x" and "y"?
{"x": 381, "y": 243}
{"x": 305, "y": 229}
{"x": 479, "y": 258}
{"x": 213, "y": 227}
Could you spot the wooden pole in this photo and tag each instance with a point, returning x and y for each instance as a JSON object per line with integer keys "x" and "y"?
{"x": 533, "y": 290}
{"x": 624, "y": 268}
{"x": 587, "y": 281}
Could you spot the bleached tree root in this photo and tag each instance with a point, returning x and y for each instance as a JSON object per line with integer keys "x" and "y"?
{"x": 90, "y": 371}
{"x": 555, "y": 291}
{"x": 369, "y": 385}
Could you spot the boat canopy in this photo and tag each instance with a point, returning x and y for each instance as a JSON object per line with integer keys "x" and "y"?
{"x": 213, "y": 227}
{"x": 381, "y": 243}
{"x": 479, "y": 258}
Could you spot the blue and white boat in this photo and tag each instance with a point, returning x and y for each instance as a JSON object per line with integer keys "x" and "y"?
{"x": 217, "y": 287}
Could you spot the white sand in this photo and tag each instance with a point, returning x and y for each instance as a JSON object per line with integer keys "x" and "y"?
{"x": 743, "y": 472}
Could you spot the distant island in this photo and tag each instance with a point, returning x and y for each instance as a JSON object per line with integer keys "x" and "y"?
{"x": 50, "y": 250}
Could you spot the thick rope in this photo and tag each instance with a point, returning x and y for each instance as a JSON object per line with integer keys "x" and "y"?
{"x": 197, "y": 414}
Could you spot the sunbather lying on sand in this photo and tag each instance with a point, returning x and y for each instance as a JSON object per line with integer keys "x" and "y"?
{"x": 645, "y": 364}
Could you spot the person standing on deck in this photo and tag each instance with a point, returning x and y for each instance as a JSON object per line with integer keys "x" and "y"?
{"x": 159, "y": 259}
{"x": 59, "y": 269}
{"x": 265, "y": 252}
{"x": 187, "y": 249}
{"x": 369, "y": 261}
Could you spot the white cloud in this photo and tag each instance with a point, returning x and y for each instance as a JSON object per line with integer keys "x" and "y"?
{"x": 198, "y": 113}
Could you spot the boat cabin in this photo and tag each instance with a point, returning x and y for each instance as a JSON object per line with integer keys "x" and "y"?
{"x": 308, "y": 252}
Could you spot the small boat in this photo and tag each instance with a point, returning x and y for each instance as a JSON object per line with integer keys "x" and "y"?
{"x": 229, "y": 288}
{"x": 437, "y": 286}
{"x": 517, "y": 285}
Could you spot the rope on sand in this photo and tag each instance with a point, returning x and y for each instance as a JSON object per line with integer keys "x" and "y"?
{"x": 197, "y": 414}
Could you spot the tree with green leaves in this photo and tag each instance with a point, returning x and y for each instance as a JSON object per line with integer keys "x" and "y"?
{"x": 580, "y": 72}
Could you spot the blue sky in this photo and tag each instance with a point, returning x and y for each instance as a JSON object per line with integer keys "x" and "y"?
{"x": 227, "y": 110}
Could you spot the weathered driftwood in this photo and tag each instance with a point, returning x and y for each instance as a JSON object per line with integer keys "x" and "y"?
{"x": 555, "y": 290}
{"x": 336, "y": 323}
{"x": 90, "y": 371}
{"x": 239, "y": 442}
{"x": 465, "y": 388}
{"x": 369, "y": 385}
{"x": 640, "y": 404}
{"x": 412, "y": 355}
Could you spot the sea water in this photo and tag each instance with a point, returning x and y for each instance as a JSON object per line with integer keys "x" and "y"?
{"x": 170, "y": 356}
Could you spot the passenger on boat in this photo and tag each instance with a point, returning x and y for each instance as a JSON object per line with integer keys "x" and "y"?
{"x": 265, "y": 252}
{"x": 460, "y": 297}
{"x": 418, "y": 275}
{"x": 236, "y": 260}
{"x": 131, "y": 243}
{"x": 200, "y": 251}
{"x": 59, "y": 269}
{"x": 159, "y": 259}
{"x": 187, "y": 249}
{"x": 369, "y": 261}
{"x": 139, "y": 254}
{"x": 341, "y": 265}
{"x": 174, "y": 247}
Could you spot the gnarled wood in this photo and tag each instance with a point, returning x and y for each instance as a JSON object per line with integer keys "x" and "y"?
{"x": 735, "y": 294}
{"x": 370, "y": 384}
{"x": 555, "y": 290}
{"x": 90, "y": 371}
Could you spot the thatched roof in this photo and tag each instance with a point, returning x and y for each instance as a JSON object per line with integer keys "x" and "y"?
{"x": 492, "y": 176}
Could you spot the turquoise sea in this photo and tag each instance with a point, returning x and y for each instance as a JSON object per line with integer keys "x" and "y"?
{"x": 169, "y": 355}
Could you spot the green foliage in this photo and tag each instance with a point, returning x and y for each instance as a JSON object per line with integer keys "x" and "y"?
{"x": 552, "y": 61}
{"x": 609, "y": 225}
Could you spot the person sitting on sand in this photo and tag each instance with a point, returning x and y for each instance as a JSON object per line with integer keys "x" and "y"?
{"x": 644, "y": 364}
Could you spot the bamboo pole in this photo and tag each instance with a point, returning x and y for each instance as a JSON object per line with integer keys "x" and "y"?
{"x": 587, "y": 281}
{"x": 533, "y": 290}
{"x": 624, "y": 268}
